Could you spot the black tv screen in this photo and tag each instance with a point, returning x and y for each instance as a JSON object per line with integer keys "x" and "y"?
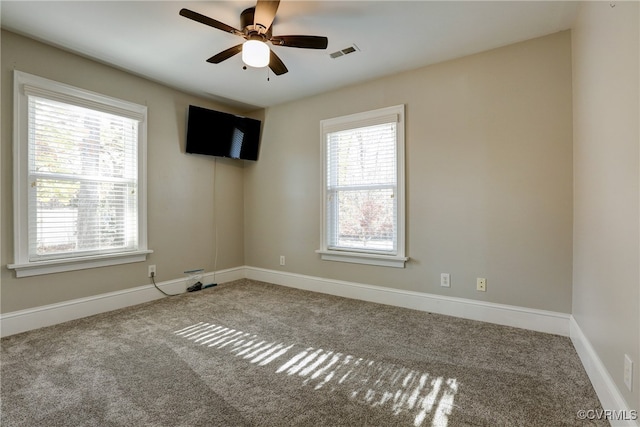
{"x": 215, "y": 133}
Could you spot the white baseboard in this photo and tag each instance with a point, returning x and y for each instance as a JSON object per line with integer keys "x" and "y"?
{"x": 224, "y": 276}
{"x": 52, "y": 314}
{"x": 607, "y": 391}
{"x": 519, "y": 317}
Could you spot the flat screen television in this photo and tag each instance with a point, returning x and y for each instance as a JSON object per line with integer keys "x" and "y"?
{"x": 215, "y": 133}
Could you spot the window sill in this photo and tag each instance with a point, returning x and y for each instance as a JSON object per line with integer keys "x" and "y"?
{"x": 363, "y": 258}
{"x": 37, "y": 268}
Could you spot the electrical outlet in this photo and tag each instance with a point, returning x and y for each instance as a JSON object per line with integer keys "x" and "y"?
{"x": 152, "y": 270}
{"x": 282, "y": 259}
{"x": 481, "y": 284}
{"x": 628, "y": 372}
{"x": 445, "y": 280}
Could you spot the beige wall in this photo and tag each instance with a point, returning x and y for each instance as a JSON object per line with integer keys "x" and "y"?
{"x": 180, "y": 187}
{"x": 606, "y": 300}
{"x": 489, "y": 177}
{"x": 489, "y": 174}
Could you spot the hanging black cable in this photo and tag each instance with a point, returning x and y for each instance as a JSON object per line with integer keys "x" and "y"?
{"x": 153, "y": 280}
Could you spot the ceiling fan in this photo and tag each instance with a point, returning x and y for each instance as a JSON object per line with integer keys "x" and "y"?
{"x": 256, "y": 23}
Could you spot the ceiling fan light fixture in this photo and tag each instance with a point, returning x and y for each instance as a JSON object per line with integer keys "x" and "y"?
{"x": 255, "y": 53}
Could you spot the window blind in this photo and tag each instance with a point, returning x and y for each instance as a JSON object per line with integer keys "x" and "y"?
{"x": 83, "y": 178}
{"x": 361, "y": 188}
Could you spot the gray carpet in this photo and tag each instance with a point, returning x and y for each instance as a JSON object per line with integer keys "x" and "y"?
{"x": 254, "y": 354}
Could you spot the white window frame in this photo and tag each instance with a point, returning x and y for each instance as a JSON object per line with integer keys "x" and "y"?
{"x": 25, "y": 85}
{"x": 353, "y": 121}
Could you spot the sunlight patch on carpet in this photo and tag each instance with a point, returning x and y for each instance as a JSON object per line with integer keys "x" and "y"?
{"x": 428, "y": 398}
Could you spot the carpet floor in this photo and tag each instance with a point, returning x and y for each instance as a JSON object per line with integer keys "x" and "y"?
{"x": 248, "y": 353}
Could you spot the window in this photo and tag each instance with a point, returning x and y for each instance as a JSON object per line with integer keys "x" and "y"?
{"x": 363, "y": 188}
{"x": 79, "y": 178}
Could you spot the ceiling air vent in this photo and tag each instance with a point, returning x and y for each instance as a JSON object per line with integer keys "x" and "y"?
{"x": 345, "y": 51}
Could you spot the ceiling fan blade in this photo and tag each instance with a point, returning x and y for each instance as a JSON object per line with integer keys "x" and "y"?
{"x": 265, "y": 13}
{"x": 276, "y": 64}
{"x": 208, "y": 21}
{"x": 225, "y": 54}
{"x": 306, "y": 42}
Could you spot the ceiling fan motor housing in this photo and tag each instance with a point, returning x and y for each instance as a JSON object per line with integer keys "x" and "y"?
{"x": 246, "y": 23}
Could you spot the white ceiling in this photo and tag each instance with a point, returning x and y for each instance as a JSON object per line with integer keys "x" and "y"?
{"x": 150, "y": 39}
